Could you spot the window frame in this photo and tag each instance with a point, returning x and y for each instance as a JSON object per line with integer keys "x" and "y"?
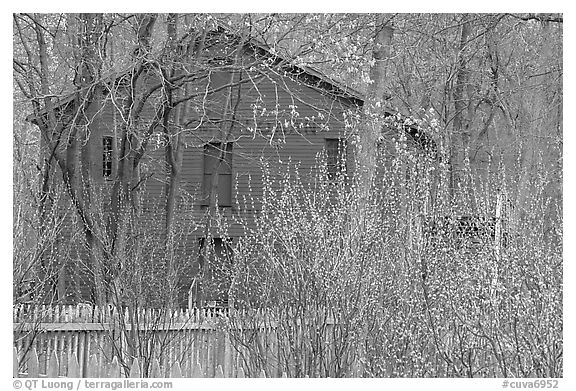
{"x": 467, "y": 230}
{"x": 336, "y": 163}
{"x": 207, "y": 172}
{"x": 220, "y": 255}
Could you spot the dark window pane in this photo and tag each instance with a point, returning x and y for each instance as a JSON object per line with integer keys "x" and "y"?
{"x": 215, "y": 258}
{"x": 224, "y": 189}
{"x": 212, "y": 164}
{"x": 335, "y": 157}
{"x": 211, "y": 159}
{"x": 206, "y": 188}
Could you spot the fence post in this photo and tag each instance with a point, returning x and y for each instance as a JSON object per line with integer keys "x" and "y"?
{"x": 135, "y": 369}
{"x": 33, "y": 364}
{"x": 14, "y": 363}
{"x": 155, "y": 371}
{"x": 196, "y": 369}
{"x": 81, "y": 354}
{"x": 52, "y": 366}
{"x": 210, "y": 369}
{"x": 87, "y": 347}
{"x": 175, "y": 371}
{"x": 227, "y": 355}
{"x": 114, "y": 368}
{"x": 92, "y": 370}
{"x": 73, "y": 366}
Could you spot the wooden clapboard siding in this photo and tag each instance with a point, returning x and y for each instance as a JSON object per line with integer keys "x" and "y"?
{"x": 301, "y": 146}
{"x": 299, "y": 137}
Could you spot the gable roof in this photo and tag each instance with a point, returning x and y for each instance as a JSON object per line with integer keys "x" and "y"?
{"x": 315, "y": 78}
{"x": 309, "y": 75}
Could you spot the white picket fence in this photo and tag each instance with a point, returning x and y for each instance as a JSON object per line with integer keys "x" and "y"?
{"x": 81, "y": 341}
{"x": 98, "y": 369}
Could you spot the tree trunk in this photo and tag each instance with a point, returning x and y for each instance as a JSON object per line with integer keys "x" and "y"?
{"x": 460, "y": 138}
{"x": 373, "y": 111}
{"x": 370, "y": 130}
{"x": 123, "y": 197}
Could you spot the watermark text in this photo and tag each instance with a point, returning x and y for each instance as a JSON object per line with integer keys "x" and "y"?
{"x": 537, "y": 383}
{"x": 91, "y": 384}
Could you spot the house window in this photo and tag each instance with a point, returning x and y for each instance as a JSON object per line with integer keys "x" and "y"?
{"x": 335, "y": 157}
{"x": 217, "y": 160}
{"x": 107, "y": 157}
{"x": 466, "y": 230}
{"x": 215, "y": 259}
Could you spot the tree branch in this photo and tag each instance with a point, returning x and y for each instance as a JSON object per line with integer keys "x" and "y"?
{"x": 554, "y": 18}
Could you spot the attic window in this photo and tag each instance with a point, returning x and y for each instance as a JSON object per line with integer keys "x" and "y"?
{"x": 107, "y": 157}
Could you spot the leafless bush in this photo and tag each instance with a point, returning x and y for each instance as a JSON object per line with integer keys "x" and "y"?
{"x": 422, "y": 289}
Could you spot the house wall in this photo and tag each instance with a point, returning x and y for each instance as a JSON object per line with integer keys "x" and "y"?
{"x": 278, "y": 128}
{"x": 279, "y": 123}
